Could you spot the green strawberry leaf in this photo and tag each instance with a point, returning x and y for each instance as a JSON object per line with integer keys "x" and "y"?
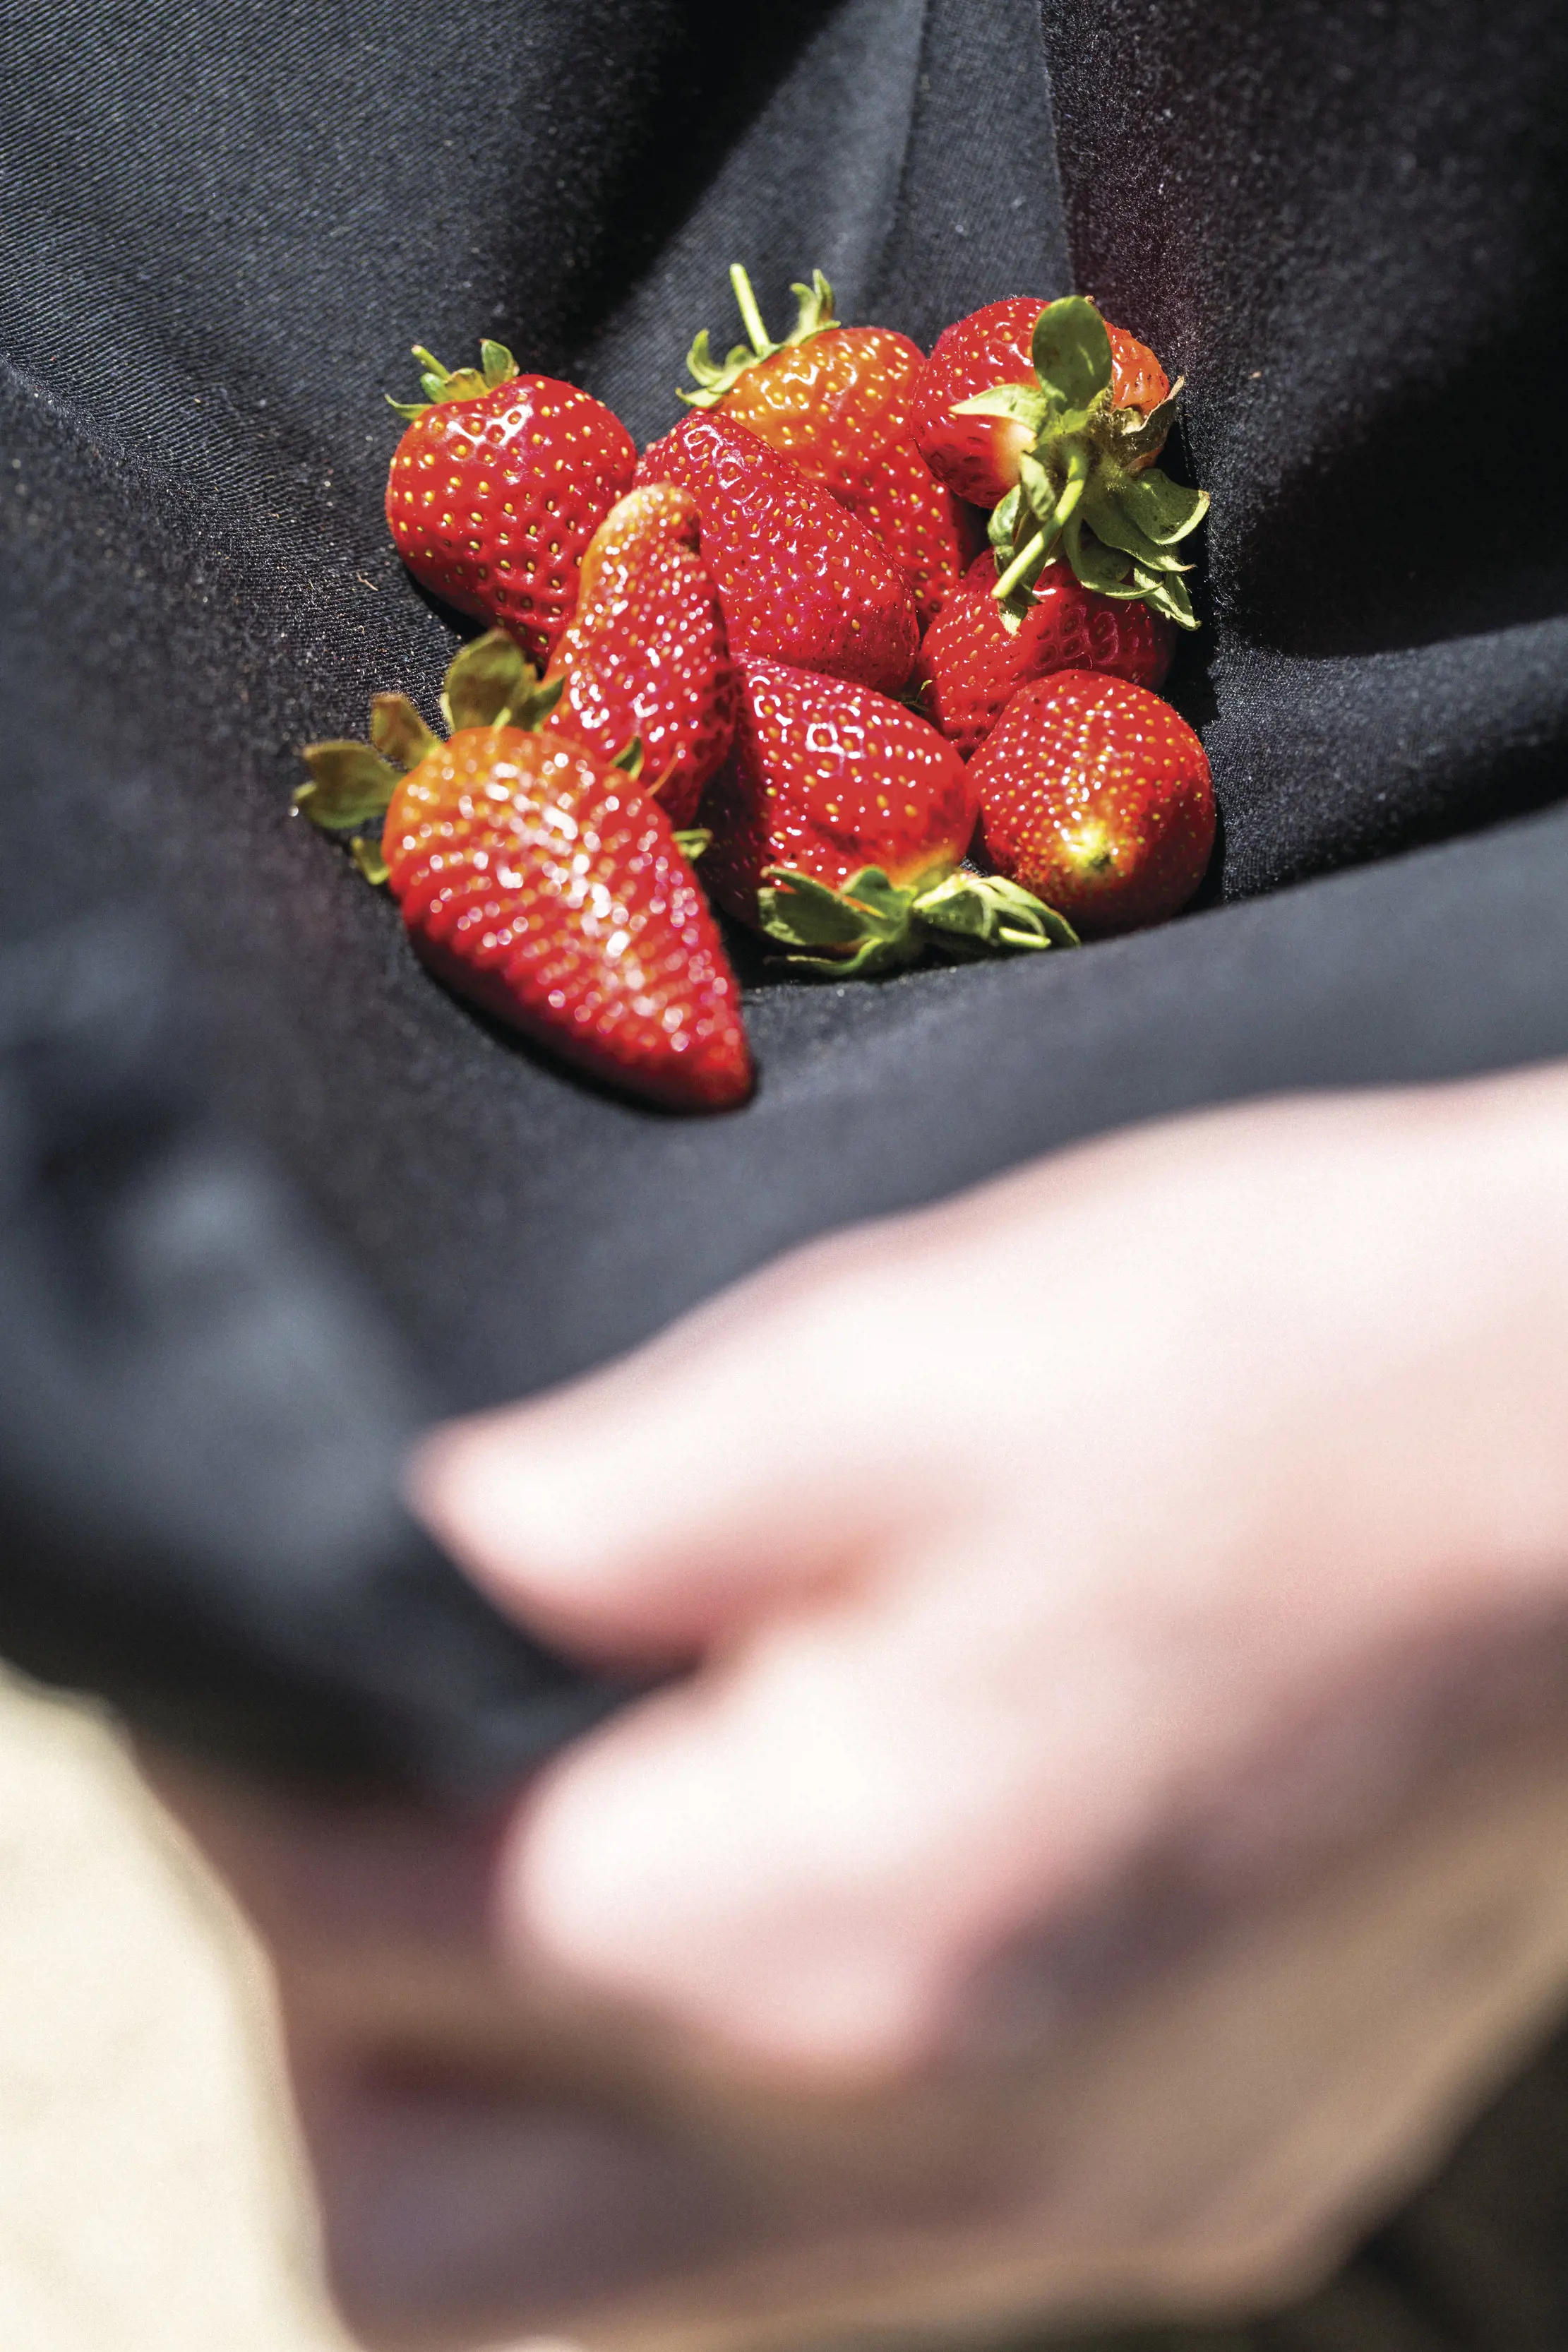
{"x": 704, "y": 371}
{"x": 398, "y": 731}
{"x": 1025, "y": 403}
{"x": 987, "y": 911}
{"x": 813, "y": 315}
{"x": 367, "y": 856}
{"x": 349, "y": 785}
{"x": 1144, "y": 435}
{"x": 443, "y": 384}
{"x": 1072, "y": 352}
{"x": 712, "y": 379}
{"x": 693, "y": 840}
{"x": 1004, "y": 525}
{"x": 813, "y": 310}
{"x": 956, "y": 907}
{"x": 1099, "y": 567}
{"x": 802, "y": 912}
{"x": 536, "y": 704}
{"x": 1167, "y": 593}
{"x": 486, "y": 679}
{"x": 1164, "y": 510}
{"x": 887, "y": 903}
{"x": 868, "y": 919}
{"x": 1039, "y": 485}
{"x": 1107, "y": 518}
{"x": 496, "y": 364}
{"x": 630, "y": 760}
{"x": 877, "y": 924}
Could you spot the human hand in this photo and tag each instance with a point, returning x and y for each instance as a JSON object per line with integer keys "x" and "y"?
{"x": 1156, "y": 1505}
{"x": 1122, "y": 1612}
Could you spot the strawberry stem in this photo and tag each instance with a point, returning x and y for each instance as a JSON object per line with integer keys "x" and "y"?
{"x": 1073, "y": 488}
{"x": 814, "y": 315}
{"x": 1025, "y": 563}
{"x": 750, "y": 316}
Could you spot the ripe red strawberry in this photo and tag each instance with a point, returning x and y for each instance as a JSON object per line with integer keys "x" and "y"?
{"x": 802, "y": 580}
{"x": 838, "y": 825}
{"x": 1054, "y": 418}
{"x": 497, "y": 488}
{"x": 838, "y": 400}
{"x": 979, "y": 455}
{"x": 1097, "y": 796}
{"x": 539, "y": 882}
{"x": 974, "y": 658}
{"x": 645, "y": 656}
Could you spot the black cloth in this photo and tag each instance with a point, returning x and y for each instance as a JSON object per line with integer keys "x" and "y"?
{"x": 201, "y": 1420}
{"x": 269, "y": 1196}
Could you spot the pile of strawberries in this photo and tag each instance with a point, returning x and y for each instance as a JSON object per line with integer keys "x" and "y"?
{"x": 863, "y": 651}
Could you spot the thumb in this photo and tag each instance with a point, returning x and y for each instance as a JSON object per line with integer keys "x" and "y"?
{"x": 646, "y": 1511}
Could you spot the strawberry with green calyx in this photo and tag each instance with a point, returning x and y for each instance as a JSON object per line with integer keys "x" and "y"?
{"x": 1095, "y": 795}
{"x": 838, "y": 828}
{"x": 497, "y": 486}
{"x": 645, "y": 655}
{"x": 976, "y": 657}
{"x": 813, "y": 317}
{"x": 351, "y": 783}
{"x": 542, "y": 884}
{"x": 801, "y": 578}
{"x": 1069, "y": 454}
{"x": 837, "y": 400}
{"x": 976, "y": 452}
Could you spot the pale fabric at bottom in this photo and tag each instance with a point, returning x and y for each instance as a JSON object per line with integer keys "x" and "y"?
{"x": 151, "y": 2198}
{"x": 150, "y": 2194}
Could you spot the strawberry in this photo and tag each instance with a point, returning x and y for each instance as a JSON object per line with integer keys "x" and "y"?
{"x": 538, "y": 881}
{"x": 972, "y": 663}
{"x": 1054, "y": 419}
{"x": 1095, "y": 795}
{"x": 994, "y": 345}
{"x": 497, "y": 488}
{"x": 839, "y": 824}
{"x": 645, "y": 658}
{"x": 837, "y": 400}
{"x": 800, "y": 579}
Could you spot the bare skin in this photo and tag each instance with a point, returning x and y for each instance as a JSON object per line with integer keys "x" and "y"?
{"x": 1056, "y": 1577}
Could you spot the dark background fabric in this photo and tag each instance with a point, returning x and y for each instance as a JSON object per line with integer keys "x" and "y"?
{"x": 269, "y": 1197}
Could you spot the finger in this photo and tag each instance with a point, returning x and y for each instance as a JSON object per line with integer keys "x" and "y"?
{"x": 751, "y": 1452}
{"x": 803, "y": 1856}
